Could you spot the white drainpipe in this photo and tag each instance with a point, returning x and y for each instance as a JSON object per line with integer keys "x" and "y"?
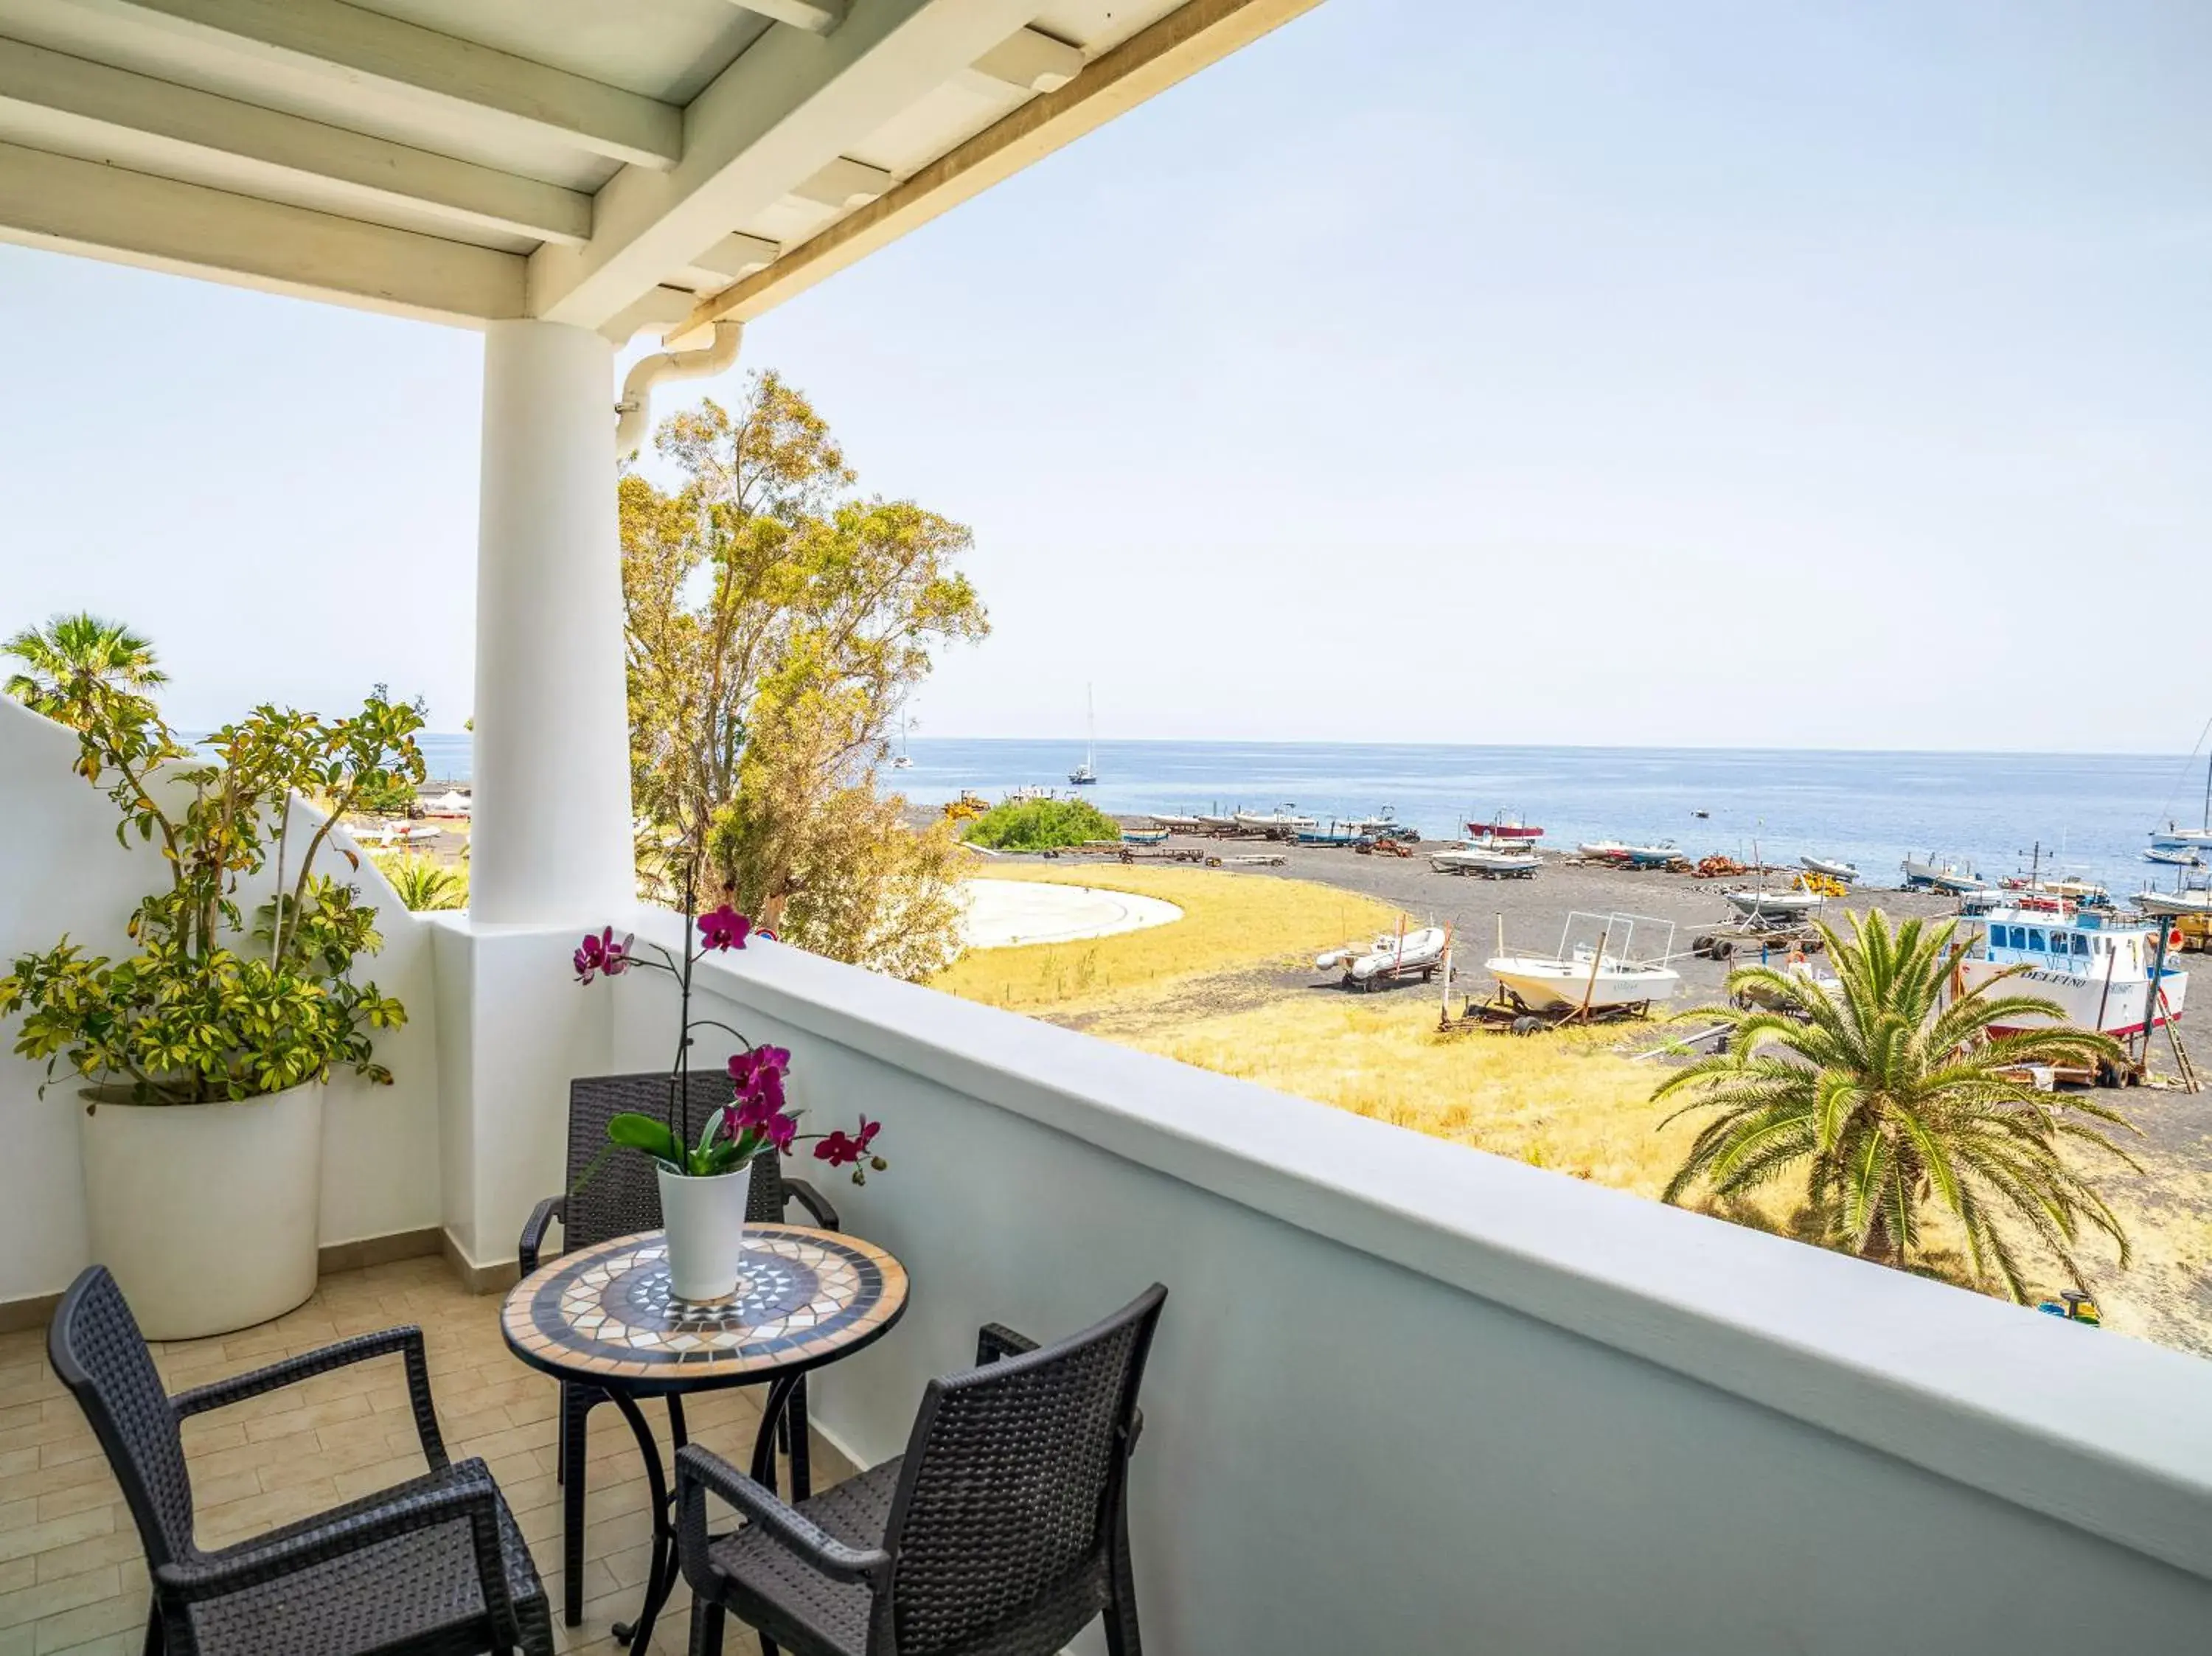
{"x": 634, "y": 412}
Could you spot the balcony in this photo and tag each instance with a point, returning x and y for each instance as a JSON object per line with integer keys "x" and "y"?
{"x": 1407, "y": 1398}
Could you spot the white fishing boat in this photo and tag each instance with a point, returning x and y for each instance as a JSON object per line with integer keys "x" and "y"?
{"x": 1665, "y": 854}
{"x": 1604, "y": 851}
{"x": 1954, "y": 875}
{"x": 1605, "y": 962}
{"x": 1493, "y": 860}
{"x": 1834, "y": 868}
{"x": 1773, "y": 907}
{"x": 1022, "y": 796}
{"x": 1181, "y": 824}
{"x": 451, "y": 803}
{"x": 1393, "y": 955}
{"x": 2100, "y": 971}
{"x": 1216, "y": 823}
{"x": 2173, "y": 855}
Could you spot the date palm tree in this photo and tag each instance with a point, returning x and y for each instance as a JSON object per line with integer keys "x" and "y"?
{"x": 1890, "y": 1092}
{"x": 70, "y": 657}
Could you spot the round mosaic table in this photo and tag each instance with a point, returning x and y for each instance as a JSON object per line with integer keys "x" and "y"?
{"x": 603, "y": 1316}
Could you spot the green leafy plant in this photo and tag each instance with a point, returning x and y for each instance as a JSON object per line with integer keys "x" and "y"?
{"x": 426, "y": 886}
{"x": 1892, "y": 1092}
{"x": 1042, "y": 825}
{"x": 217, "y": 1003}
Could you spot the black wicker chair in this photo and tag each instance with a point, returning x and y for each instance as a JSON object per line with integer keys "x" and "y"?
{"x": 1003, "y": 1529}
{"x": 621, "y": 1197}
{"x": 431, "y": 1567}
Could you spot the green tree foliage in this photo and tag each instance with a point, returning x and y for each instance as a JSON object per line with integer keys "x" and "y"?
{"x": 775, "y": 623}
{"x": 1891, "y": 1094}
{"x": 215, "y": 1004}
{"x": 1042, "y": 825}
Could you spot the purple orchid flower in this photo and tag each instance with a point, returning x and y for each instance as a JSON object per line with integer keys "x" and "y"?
{"x": 602, "y": 955}
{"x": 724, "y": 928}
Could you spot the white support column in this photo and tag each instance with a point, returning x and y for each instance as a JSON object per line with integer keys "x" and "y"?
{"x": 552, "y": 816}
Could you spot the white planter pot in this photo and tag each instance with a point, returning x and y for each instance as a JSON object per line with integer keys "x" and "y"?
{"x": 705, "y": 1219}
{"x": 207, "y": 1213}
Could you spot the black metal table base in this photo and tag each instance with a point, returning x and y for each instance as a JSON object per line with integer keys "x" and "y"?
{"x": 660, "y": 1577}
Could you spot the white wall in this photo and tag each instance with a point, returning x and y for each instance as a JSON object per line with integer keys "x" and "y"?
{"x": 1410, "y": 1397}
{"x": 60, "y": 871}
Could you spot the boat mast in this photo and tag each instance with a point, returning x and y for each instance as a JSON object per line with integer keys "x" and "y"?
{"x": 1091, "y": 721}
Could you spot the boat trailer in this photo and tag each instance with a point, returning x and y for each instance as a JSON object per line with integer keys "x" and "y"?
{"x": 1725, "y": 943}
{"x": 1506, "y": 1013}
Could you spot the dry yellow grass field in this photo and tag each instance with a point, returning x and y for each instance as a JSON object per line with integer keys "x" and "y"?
{"x": 1575, "y": 1102}
{"x": 1230, "y": 923}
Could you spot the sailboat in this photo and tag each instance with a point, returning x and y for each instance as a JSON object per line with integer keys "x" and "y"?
{"x": 2174, "y": 837}
{"x": 903, "y": 761}
{"x": 1085, "y": 774}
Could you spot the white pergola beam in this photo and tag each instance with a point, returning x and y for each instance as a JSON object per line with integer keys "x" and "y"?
{"x": 733, "y": 256}
{"x": 844, "y": 183}
{"x": 814, "y": 17}
{"x": 91, "y": 110}
{"x": 68, "y": 205}
{"x": 788, "y": 107}
{"x": 373, "y": 59}
{"x": 1032, "y": 60}
{"x": 1196, "y": 33}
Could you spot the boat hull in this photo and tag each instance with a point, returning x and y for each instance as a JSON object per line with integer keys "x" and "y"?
{"x": 1772, "y": 905}
{"x": 1544, "y": 986}
{"x": 1475, "y": 859}
{"x": 2085, "y": 1001}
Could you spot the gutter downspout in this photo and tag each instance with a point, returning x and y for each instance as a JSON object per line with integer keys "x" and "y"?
{"x": 633, "y": 413}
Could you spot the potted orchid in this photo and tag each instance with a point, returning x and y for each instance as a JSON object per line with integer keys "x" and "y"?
{"x": 706, "y": 1175}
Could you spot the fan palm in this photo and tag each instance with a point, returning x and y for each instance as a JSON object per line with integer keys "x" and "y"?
{"x": 71, "y": 657}
{"x": 1891, "y": 1091}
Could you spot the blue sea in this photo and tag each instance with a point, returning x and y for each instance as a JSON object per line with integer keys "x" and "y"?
{"x": 2090, "y": 813}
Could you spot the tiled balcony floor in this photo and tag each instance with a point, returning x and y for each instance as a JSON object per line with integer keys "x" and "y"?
{"x": 73, "y": 1577}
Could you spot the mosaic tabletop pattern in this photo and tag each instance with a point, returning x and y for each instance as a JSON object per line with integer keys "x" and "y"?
{"x": 803, "y": 1296}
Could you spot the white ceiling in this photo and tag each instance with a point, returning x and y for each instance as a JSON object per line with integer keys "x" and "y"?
{"x": 607, "y": 165}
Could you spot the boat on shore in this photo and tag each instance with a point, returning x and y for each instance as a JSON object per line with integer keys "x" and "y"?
{"x": 1774, "y": 907}
{"x": 1179, "y": 824}
{"x": 1417, "y": 953}
{"x": 1278, "y": 824}
{"x": 1835, "y": 868}
{"x": 1385, "y": 825}
{"x": 1603, "y": 850}
{"x": 1504, "y": 826}
{"x": 1665, "y": 854}
{"x": 1601, "y": 965}
{"x": 1157, "y": 836}
{"x": 1336, "y": 834}
{"x": 2175, "y": 905}
{"x": 2102, "y": 974}
{"x": 1214, "y": 823}
{"x": 1497, "y": 862}
{"x": 1953, "y": 875}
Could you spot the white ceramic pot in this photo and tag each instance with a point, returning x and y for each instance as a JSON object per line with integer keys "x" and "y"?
{"x": 705, "y": 1219}
{"x": 206, "y": 1213}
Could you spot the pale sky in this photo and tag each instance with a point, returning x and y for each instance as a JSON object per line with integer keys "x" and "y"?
{"x": 1754, "y": 374}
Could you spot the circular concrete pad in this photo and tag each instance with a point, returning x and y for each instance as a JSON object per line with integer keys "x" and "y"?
{"x": 1003, "y": 913}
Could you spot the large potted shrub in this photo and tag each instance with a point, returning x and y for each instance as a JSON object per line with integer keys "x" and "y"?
{"x": 199, "y": 1059}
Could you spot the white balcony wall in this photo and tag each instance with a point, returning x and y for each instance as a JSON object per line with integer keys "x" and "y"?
{"x": 1411, "y": 1397}
{"x": 60, "y": 871}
